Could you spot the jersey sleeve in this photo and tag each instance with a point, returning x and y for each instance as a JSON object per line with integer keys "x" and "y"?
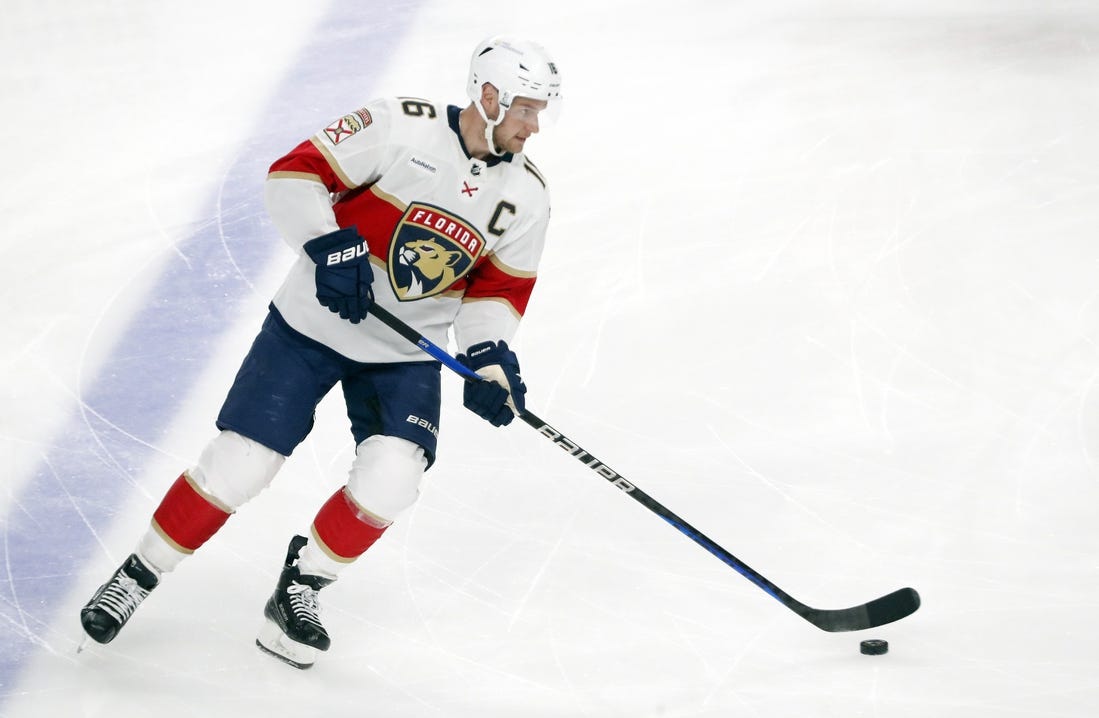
{"x": 351, "y": 152}
{"x": 500, "y": 286}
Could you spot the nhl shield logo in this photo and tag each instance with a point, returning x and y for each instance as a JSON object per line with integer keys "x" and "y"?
{"x": 431, "y": 250}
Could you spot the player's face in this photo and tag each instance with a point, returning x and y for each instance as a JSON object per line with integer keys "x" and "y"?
{"x": 520, "y": 122}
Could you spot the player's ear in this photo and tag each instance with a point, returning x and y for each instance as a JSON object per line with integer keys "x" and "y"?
{"x": 490, "y": 98}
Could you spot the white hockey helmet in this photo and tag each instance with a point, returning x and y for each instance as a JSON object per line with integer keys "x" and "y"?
{"x": 516, "y": 68}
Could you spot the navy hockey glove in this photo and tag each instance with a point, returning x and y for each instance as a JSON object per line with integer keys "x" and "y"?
{"x": 500, "y": 397}
{"x": 343, "y": 273}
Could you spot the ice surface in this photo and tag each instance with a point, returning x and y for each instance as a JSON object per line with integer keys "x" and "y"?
{"x": 821, "y": 279}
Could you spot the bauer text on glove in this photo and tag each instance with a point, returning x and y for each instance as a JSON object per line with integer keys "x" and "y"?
{"x": 343, "y": 273}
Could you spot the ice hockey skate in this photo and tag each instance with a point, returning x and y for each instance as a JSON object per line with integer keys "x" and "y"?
{"x": 293, "y": 631}
{"x": 115, "y": 601}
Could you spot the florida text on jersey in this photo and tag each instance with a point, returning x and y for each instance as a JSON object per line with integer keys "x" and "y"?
{"x": 453, "y": 239}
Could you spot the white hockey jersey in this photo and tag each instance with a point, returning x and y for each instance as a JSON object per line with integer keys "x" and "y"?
{"x": 453, "y": 240}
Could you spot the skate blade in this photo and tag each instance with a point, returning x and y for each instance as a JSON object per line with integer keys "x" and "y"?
{"x": 273, "y": 641}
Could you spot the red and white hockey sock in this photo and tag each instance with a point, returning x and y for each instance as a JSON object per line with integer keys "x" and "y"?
{"x": 187, "y": 517}
{"x": 342, "y": 531}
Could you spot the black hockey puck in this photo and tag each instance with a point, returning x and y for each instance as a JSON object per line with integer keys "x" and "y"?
{"x": 874, "y": 647}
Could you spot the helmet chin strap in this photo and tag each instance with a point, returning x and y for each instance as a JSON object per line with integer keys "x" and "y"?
{"x": 490, "y": 125}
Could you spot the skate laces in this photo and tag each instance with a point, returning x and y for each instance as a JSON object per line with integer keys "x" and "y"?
{"x": 304, "y": 603}
{"x": 121, "y": 597}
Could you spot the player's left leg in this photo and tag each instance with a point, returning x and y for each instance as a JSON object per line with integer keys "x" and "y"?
{"x": 394, "y": 413}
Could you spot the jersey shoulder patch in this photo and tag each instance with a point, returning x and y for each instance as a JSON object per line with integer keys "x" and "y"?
{"x": 348, "y": 125}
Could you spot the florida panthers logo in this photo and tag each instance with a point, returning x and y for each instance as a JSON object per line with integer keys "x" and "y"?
{"x": 431, "y": 250}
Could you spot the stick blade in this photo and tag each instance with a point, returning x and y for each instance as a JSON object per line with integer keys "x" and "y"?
{"x": 887, "y": 609}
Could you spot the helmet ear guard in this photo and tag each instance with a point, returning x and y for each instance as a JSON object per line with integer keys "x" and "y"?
{"x": 516, "y": 68}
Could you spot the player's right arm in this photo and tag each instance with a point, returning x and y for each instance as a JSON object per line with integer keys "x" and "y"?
{"x": 299, "y": 195}
{"x": 351, "y": 152}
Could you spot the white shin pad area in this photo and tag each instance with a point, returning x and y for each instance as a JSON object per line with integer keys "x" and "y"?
{"x": 385, "y": 476}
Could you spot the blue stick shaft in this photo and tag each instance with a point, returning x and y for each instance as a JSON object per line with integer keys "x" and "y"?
{"x": 885, "y": 609}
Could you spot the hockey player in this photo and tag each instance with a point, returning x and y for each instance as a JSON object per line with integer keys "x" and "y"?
{"x": 435, "y": 213}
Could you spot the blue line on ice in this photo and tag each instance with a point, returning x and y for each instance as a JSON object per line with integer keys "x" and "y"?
{"x": 55, "y": 522}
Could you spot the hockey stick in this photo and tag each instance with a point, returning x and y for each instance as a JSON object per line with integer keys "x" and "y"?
{"x": 880, "y": 611}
